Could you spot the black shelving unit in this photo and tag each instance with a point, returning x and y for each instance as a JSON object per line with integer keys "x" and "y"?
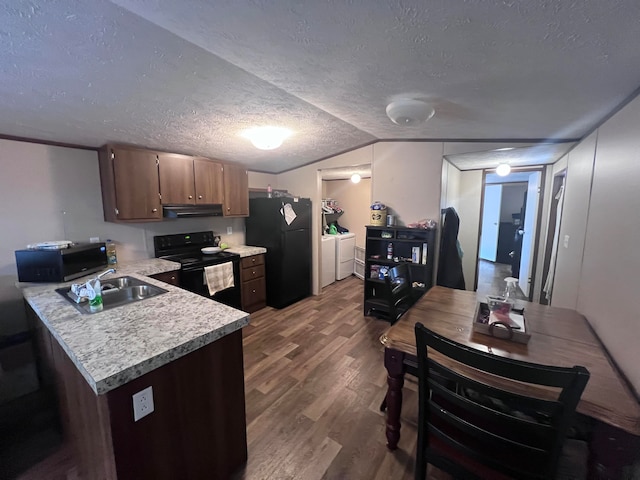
{"x": 404, "y": 240}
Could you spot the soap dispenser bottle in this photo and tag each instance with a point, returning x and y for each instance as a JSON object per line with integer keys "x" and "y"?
{"x": 510, "y": 290}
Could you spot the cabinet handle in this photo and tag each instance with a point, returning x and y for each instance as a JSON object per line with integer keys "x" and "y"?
{"x": 173, "y": 278}
{"x": 200, "y": 197}
{"x": 228, "y": 208}
{"x": 254, "y": 290}
{"x": 154, "y": 210}
{"x": 190, "y": 197}
{"x": 253, "y": 260}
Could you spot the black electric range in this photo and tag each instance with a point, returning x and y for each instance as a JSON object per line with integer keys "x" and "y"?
{"x": 185, "y": 248}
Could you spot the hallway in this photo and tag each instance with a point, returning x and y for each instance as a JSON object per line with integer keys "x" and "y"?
{"x": 491, "y": 278}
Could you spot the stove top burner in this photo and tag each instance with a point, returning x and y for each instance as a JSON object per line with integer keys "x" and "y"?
{"x": 185, "y": 248}
{"x": 188, "y": 260}
{"x": 192, "y": 260}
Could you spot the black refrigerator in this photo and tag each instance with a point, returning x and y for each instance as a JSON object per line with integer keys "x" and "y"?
{"x": 283, "y": 226}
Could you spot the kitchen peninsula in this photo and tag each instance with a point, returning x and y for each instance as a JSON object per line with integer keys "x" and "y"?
{"x": 186, "y": 347}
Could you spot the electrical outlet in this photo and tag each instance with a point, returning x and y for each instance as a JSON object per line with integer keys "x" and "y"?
{"x": 566, "y": 241}
{"x": 142, "y": 403}
{"x": 94, "y": 239}
{"x": 229, "y": 230}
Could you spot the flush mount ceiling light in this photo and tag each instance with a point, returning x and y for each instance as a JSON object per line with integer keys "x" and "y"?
{"x": 355, "y": 178}
{"x": 266, "y": 138}
{"x": 407, "y": 111}
{"x": 503, "y": 169}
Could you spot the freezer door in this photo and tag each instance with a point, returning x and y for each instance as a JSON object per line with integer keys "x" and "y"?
{"x": 294, "y": 214}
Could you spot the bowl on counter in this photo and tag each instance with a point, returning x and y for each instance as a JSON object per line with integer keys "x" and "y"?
{"x": 210, "y": 250}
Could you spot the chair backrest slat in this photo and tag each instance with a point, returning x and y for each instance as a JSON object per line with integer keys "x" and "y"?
{"x": 512, "y": 423}
{"x": 551, "y": 408}
{"x": 508, "y": 432}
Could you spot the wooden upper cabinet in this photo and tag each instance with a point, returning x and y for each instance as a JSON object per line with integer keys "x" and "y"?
{"x": 129, "y": 184}
{"x": 209, "y": 181}
{"x": 236, "y": 191}
{"x": 176, "y": 179}
{"x": 137, "y": 182}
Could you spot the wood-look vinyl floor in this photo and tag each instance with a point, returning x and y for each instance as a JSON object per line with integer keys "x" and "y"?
{"x": 314, "y": 380}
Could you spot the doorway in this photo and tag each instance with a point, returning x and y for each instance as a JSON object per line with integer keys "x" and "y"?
{"x": 345, "y": 206}
{"x": 509, "y": 219}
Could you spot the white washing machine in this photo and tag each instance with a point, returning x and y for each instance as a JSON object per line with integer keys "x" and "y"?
{"x": 345, "y": 254}
{"x": 328, "y": 268}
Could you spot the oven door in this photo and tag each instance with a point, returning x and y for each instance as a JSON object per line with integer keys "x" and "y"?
{"x": 192, "y": 279}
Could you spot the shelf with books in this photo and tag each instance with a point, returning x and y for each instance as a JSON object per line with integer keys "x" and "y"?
{"x": 390, "y": 246}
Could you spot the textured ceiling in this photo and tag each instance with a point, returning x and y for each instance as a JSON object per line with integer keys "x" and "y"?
{"x": 541, "y": 154}
{"x": 188, "y": 76}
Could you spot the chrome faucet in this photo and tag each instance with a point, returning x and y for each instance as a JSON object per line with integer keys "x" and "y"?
{"x": 106, "y": 272}
{"x": 79, "y": 290}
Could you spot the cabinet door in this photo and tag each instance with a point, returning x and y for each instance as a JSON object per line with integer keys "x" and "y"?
{"x": 176, "y": 179}
{"x": 253, "y": 295}
{"x": 236, "y": 191}
{"x": 209, "y": 181}
{"x": 136, "y": 184}
{"x": 172, "y": 278}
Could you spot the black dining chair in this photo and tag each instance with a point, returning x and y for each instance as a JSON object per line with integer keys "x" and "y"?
{"x": 396, "y": 295}
{"x": 472, "y": 430}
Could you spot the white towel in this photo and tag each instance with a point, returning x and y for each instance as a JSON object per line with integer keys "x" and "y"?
{"x": 218, "y": 277}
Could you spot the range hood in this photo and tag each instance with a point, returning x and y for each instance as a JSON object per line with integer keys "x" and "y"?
{"x": 188, "y": 211}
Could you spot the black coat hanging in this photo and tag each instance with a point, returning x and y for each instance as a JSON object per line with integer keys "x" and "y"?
{"x": 450, "y": 264}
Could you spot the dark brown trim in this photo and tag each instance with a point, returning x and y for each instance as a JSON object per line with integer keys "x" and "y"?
{"x": 536, "y": 245}
{"x": 552, "y": 226}
{"x": 47, "y": 142}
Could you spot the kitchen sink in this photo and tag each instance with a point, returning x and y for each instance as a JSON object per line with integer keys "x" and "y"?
{"x": 115, "y": 293}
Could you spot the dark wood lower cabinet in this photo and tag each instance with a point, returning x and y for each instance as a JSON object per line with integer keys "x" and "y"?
{"x": 197, "y": 429}
{"x": 254, "y": 288}
{"x": 172, "y": 278}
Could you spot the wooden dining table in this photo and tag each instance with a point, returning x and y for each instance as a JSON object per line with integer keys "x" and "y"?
{"x": 559, "y": 336}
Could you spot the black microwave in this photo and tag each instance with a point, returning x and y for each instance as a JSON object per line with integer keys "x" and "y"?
{"x": 60, "y": 265}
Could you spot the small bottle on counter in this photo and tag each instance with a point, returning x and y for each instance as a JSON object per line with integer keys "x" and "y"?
{"x": 95, "y": 295}
{"x": 269, "y": 191}
{"x": 390, "y": 251}
{"x": 112, "y": 258}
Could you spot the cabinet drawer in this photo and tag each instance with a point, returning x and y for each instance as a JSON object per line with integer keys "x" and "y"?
{"x": 254, "y": 293}
{"x": 172, "y": 278}
{"x": 247, "y": 262}
{"x": 252, "y": 272}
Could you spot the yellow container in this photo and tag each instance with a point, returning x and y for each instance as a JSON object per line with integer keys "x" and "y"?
{"x": 379, "y": 217}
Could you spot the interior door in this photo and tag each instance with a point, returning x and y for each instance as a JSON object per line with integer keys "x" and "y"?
{"x": 529, "y": 234}
{"x": 490, "y": 222}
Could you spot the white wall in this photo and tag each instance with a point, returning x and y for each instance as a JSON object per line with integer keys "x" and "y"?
{"x": 575, "y": 210}
{"x": 608, "y": 291}
{"x": 450, "y": 185}
{"x": 469, "y": 213}
{"x": 407, "y": 178}
{"x": 355, "y": 201}
{"x": 261, "y": 180}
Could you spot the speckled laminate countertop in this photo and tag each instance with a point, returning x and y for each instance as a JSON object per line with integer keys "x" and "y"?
{"x": 112, "y": 347}
{"x": 246, "y": 250}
